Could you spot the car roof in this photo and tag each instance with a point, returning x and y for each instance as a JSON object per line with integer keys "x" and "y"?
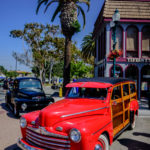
{"x": 23, "y": 78}
{"x": 99, "y": 82}
{"x": 110, "y": 80}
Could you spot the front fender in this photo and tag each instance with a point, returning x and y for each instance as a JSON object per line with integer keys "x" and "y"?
{"x": 134, "y": 106}
{"x": 90, "y": 127}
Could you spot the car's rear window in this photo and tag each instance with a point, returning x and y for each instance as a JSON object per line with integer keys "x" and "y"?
{"x": 95, "y": 93}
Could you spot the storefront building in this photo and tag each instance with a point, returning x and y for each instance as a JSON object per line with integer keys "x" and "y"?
{"x": 133, "y": 38}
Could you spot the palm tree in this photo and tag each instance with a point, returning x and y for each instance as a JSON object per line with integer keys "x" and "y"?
{"x": 69, "y": 11}
{"x": 88, "y": 48}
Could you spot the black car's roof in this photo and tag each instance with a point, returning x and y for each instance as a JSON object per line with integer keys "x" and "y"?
{"x": 110, "y": 80}
{"x": 23, "y": 78}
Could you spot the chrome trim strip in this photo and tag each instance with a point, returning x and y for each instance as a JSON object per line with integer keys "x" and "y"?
{"x": 101, "y": 128}
{"x": 32, "y": 139}
{"x": 46, "y": 138}
{"x": 42, "y": 130}
{"x": 23, "y": 146}
{"x": 46, "y": 146}
{"x": 83, "y": 112}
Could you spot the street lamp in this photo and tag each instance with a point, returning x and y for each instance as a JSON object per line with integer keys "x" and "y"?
{"x": 113, "y": 24}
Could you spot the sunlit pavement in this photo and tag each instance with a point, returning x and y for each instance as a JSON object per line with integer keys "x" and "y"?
{"x": 137, "y": 139}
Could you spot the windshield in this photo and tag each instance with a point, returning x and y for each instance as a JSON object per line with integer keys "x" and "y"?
{"x": 30, "y": 84}
{"x": 95, "y": 93}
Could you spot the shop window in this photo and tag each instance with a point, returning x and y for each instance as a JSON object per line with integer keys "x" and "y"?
{"x": 119, "y": 39}
{"x": 116, "y": 93}
{"x": 132, "y": 42}
{"x": 145, "y": 81}
{"x": 146, "y": 42}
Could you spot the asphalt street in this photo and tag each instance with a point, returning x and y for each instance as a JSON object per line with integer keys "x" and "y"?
{"x": 137, "y": 139}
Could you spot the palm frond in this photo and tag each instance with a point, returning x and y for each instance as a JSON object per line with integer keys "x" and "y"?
{"x": 50, "y": 4}
{"x": 88, "y": 46}
{"x": 87, "y": 2}
{"x": 83, "y": 15}
{"x": 40, "y": 2}
{"x": 56, "y": 12}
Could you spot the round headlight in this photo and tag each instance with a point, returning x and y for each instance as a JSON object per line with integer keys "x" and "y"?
{"x": 24, "y": 106}
{"x": 98, "y": 147}
{"x": 75, "y": 135}
{"x": 23, "y": 122}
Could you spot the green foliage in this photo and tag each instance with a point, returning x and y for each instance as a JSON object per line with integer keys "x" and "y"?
{"x": 11, "y": 74}
{"x": 81, "y": 70}
{"x": 36, "y": 71}
{"x": 76, "y": 25}
{"x": 88, "y": 48}
{"x": 16, "y": 33}
{"x": 58, "y": 69}
{"x": 38, "y": 38}
{"x": 3, "y": 70}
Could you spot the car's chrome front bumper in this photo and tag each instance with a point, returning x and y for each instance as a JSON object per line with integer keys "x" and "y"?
{"x": 24, "y": 146}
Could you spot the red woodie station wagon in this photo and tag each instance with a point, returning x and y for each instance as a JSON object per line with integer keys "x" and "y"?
{"x": 93, "y": 113}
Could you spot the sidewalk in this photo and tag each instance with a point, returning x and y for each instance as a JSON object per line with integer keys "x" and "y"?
{"x": 144, "y": 110}
{"x": 53, "y": 92}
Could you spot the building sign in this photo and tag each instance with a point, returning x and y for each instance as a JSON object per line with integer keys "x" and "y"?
{"x": 138, "y": 60}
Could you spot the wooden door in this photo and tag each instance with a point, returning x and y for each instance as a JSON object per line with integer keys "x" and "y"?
{"x": 117, "y": 109}
{"x": 126, "y": 101}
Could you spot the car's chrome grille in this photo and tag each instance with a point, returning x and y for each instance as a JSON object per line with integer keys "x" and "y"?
{"x": 51, "y": 141}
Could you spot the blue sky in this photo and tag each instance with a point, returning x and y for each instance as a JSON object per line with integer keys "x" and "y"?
{"x": 15, "y": 13}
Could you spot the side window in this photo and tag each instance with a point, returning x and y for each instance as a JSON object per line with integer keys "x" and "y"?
{"x": 132, "y": 88}
{"x": 116, "y": 93}
{"x": 125, "y": 89}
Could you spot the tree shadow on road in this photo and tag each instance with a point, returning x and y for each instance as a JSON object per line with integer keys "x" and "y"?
{"x": 12, "y": 147}
{"x": 133, "y": 144}
{"x": 141, "y": 134}
{"x": 9, "y": 112}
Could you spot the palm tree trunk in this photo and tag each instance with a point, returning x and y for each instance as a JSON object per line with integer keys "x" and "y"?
{"x": 67, "y": 62}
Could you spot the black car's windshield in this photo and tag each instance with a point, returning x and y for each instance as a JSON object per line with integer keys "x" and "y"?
{"x": 95, "y": 93}
{"x": 30, "y": 84}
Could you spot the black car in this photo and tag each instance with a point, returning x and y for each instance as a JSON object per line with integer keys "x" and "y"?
{"x": 27, "y": 95}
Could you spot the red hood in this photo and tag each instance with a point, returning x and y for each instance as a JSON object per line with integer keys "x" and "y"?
{"x": 70, "y": 108}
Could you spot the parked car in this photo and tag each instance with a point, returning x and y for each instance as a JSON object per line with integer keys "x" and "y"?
{"x": 26, "y": 94}
{"x": 1, "y": 82}
{"x": 93, "y": 113}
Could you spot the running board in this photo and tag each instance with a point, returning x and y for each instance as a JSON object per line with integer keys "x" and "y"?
{"x": 121, "y": 131}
